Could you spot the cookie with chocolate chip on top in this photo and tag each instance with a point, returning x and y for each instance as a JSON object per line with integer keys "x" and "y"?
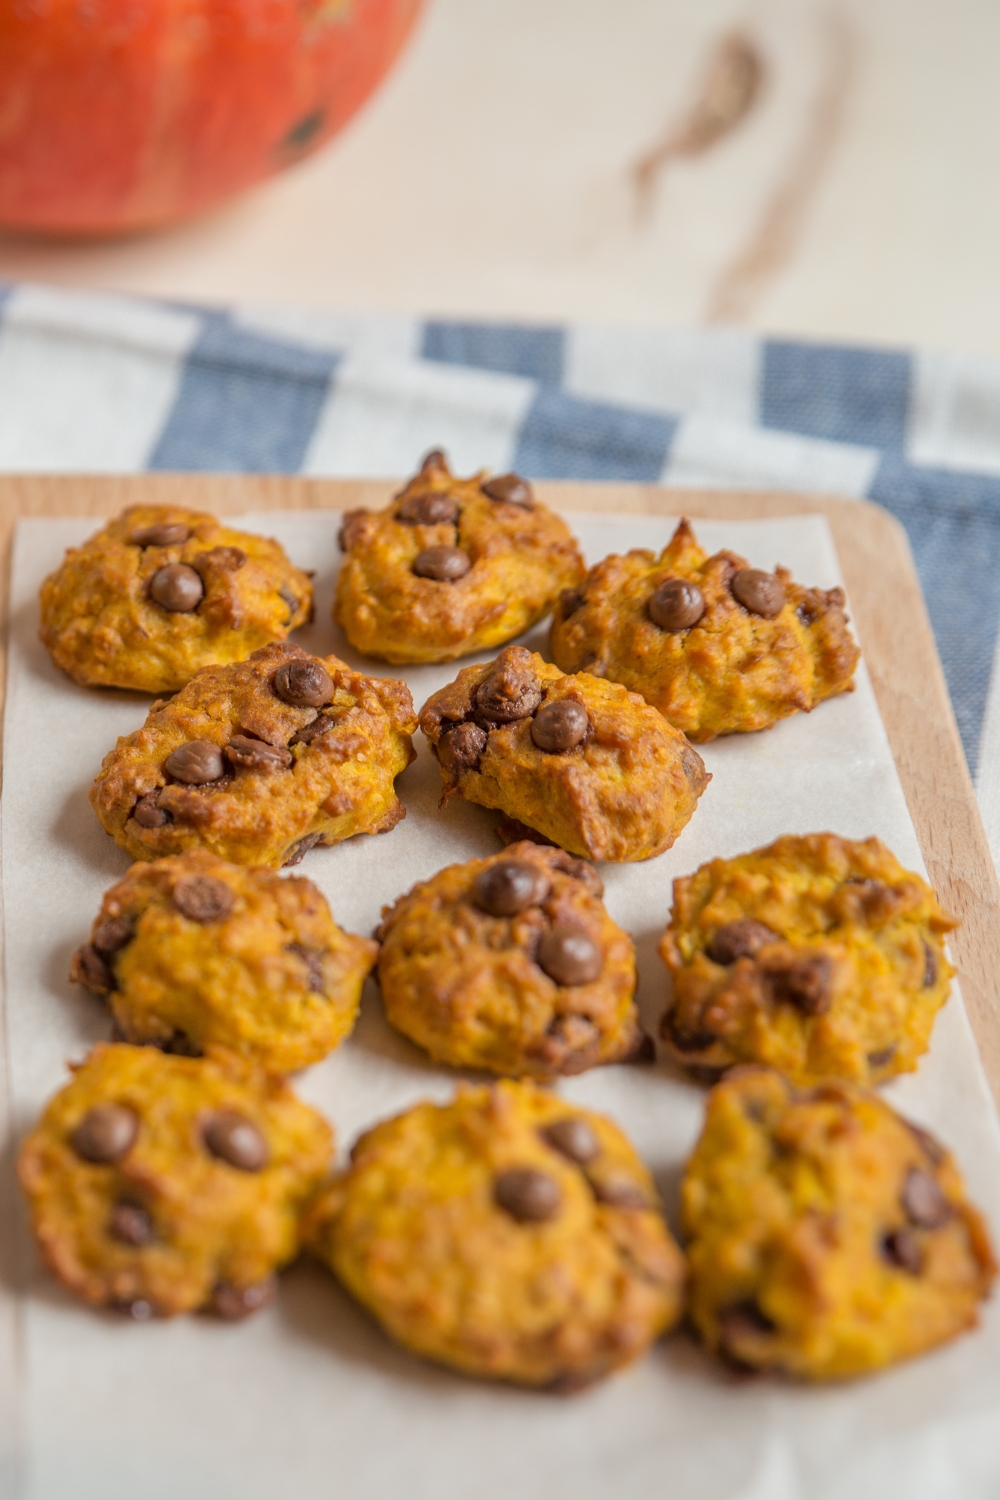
{"x": 582, "y": 762}
{"x": 259, "y": 761}
{"x": 452, "y": 566}
{"x": 160, "y": 592}
{"x": 512, "y": 964}
{"x": 507, "y": 1234}
{"x": 827, "y": 1236}
{"x": 159, "y": 1185}
{"x": 191, "y": 952}
{"x": 819, "y": 955}
{"x": 717, "y": 646}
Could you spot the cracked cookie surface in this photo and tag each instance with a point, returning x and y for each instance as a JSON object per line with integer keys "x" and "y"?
{"x": 452, "y": 566}
{"x": 581, "y": 761}
{"x": 827, "y": 1236}
{"x": 512, "y": 964}
{"x": 160, "y": 1185}
{"x": 717, "y": 646}
{"x": 819, "y": 955}
{"x": 259, "y": 761}
{"x": 191, "y": 952}
{"x": 160, "y": 592}
{"x": 508, "y": 1234}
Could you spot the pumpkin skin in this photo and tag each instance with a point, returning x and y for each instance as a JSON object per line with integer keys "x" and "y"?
{"x": 125, "y": 114}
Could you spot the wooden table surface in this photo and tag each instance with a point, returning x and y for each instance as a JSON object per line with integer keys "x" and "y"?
{"x": 494, "y": 175}
{"x": 887, "y": 609}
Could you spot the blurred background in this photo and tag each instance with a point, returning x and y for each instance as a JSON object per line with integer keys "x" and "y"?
{"x": 837, "y": 182}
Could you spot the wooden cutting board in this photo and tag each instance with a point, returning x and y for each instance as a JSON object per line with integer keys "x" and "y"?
{"x": 885, "y": 601}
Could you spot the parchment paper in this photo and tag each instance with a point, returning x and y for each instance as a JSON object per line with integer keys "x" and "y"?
{"x": 309, "y": 1398}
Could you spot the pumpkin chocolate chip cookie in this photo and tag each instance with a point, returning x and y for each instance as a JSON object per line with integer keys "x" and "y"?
{"x": 160, "y": 1185}
{"x": 452, "y": 566}
{"x": 191, "y": 952}
{"x": 160, "y": 592}
{"x": 827, "y": 1236}
{"x": 717, "y": 646}
{"x": 259, "y": 761}
{"x": 583, "y": 762}
{"x": 512, "y": 964}
{"x": 507, "y": 1234}
{"x": 819, "y": 955}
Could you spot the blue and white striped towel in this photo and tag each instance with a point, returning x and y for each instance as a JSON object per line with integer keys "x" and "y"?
{"x": 101, "y": 383}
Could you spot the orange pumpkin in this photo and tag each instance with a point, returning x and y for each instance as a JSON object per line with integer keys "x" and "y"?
{"x": 122, "y": 114}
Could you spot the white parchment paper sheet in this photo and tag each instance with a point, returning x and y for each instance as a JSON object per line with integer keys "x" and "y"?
{"x": 309, "y": 1399}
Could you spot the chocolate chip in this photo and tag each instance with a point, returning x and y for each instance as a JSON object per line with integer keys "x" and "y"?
{"x": 569, "y": 955}
{"x": 106, "y": 1133}
{"x": 255, "y": 755}
{"x": 902, "y": 1248}
{"x": 582, "y": 870}
{"x": 165, "y": 534}
{"x": 743, "y": 938}
{"x": 677, "y": 604}
{"x": 573, "y": 1138}
{"x": 236, "y": 1140}
{"x": 131, "y": 1224}
{"x": 296, "y": 852}
{"x": 804, "y": 982}
{"x": 202, "y": 898}
{"x": 196, "y": 763}
{"x": 460, "y": 748}
{"x": 428, "y": 509}
{"x": 304, "y": 683}
{"x": 930, "y": 967}
{"x": 112, "y": 933}
{"x": 529, "y": 1196}
{"x": 148, "y": 813}
{"x": 882, "y": 1056}
{"x": 290, "y": 602}
{"x": 560, "y": 725}
{"x": 509, "y": 886}
{"x": 930, "y": 1145}
{"x": 313, "y": 961}
{"x": 139, "y": 1309}
{"x": 509, "y": 489}
{"x": 759, "y": 592}
{"x": 89, "y": 969}
{"x": 236, "y": 1302}
{"x": 686, "y": 1033}
{"x": 743, "y": 1320}
{"x": 221, "y": 560}
{"x": 350, "y": 528}
{"x": 620, "y": 1192}
{"x": 442, "y": 564}
{"x": 510, "y": 690}
{"x": 923, "y": 1201}
{"x": 570, "y": 600}
{"x": 177, "y": 588}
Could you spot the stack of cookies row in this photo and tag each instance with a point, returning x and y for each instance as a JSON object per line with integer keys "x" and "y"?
{"x": 508, "y": 1233}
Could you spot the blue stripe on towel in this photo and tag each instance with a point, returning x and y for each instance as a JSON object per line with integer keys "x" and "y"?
{"x": 507, "y": 348}
{"x": 844, "y": 395}
{"x": 563, "y": 437}
{"x": 246, "y": 404}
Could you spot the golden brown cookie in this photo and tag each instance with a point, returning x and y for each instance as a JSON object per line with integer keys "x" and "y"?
{"x": 585, "y": 763}
{"x": 191, "y": 952}
{"x": 508, "y": 1234}
{"x": 160, "y": 592}
{"x": 717, "y": 646}
{"x": 158, "y": 1185}
{"x": 259, "y": 761}
{"x": 819, "y": 955}
{"x": 512, "y": 964}
{"x": 827, "y": 1235}
{"x": 451, "y": 566}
